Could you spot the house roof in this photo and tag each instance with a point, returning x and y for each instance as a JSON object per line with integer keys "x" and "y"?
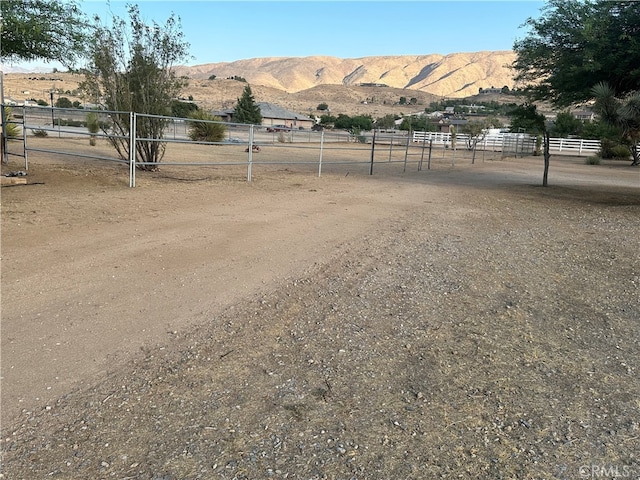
{"x": 269, "y": 110}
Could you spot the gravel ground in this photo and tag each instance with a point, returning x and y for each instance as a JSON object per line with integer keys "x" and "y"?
{"x": 491, "y": 332}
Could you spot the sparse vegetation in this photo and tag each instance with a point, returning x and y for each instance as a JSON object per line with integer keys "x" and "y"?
{"x": 611, "y": 149}
{"x": 40, "y": 133}
{"x": 13, "y": 130}
{"x": 206, "y": 127}
{"x": 180, "y": 109}
{"x": 592, "y": 160}
{"x": 93, "y": 126}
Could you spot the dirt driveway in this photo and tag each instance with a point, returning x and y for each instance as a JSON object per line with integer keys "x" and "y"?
{"x": 456, "y": 322}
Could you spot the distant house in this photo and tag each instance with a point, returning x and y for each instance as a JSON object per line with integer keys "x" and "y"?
{"x": 444, "y": 125}
{"x": 488, "y": 91}
{"x": 273, "y": 115}
{"x": 276, "y": 115}
{"x": 584, "y": 115}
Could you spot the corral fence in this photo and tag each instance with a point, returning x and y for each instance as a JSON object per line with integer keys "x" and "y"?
{"x": 250, "y": 146}
{"x": 513, "y": 144}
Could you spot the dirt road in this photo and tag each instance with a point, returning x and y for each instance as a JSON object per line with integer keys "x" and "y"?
{"x": 96, "y": 275}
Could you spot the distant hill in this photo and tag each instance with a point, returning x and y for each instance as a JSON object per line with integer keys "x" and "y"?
{"x": 456, "y": 75}
{"x": 349, "y": 86}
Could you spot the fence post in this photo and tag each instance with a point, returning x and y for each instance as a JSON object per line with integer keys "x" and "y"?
{"x": 321, "y": 147}
{"x": 406, "y": 150}
{"x": 430, "y": 150}
{"x": 373, "y": 147}
{"x": 424, "y": 141}
{"x": 24, "y": 138}
{"x": 132, "y": 149}
{"x": 250, "y": 158}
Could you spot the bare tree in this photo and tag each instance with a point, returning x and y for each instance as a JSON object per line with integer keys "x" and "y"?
{"x": 131, "y": 71}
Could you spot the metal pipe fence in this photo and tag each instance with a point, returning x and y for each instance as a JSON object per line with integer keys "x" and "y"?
{"x": 253, "y": 146}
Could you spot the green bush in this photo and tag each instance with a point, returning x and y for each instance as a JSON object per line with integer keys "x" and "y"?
{"x": 93, "y": 126}
{"x": 66, "y": 122}
{"x": 209, "y": 129}
{"x": 610, "y": 149}
{"x": 12, "y": 128}
{"x": 592, "y": 160}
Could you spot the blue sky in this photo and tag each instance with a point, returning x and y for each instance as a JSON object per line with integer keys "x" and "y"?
{"x": 223, "y": 31}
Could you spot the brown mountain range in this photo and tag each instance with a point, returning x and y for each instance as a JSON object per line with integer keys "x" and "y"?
{"x": 301, "y": 84}
{"x": 456, "y": 75}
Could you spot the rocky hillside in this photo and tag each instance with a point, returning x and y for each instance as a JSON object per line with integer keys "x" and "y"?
{"x": 301, "y": 84}
{"x": 455, "y": 75}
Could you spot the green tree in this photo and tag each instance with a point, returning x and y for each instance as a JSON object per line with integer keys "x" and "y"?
{"x": 327, "y": 121}
{"x": 526, "y": 118}
{"x": 181, "y": 109}
{"x": 476, "y": 131}
{"x": 623, "y": 113}
{"x": 130, "y": 71}
{"x": 575, "y": 45}
{"x": 353, "y": 124}
{"x": 566, "y": 124}
{"x": 49, "y": 30}
{"x": 322, "y": 106}
{"x": 417, "y": 123}
{"x": 388, "y": 121}
{"x": 599, "y": 130}
{"x": 247, "y": 111}
{"x": 63, "y": 102}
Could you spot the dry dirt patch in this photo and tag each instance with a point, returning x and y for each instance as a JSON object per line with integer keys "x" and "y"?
{"x": 455, "y": 323}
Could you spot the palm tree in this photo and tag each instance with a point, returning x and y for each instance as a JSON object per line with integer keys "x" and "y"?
{"x": 622, "y": 113}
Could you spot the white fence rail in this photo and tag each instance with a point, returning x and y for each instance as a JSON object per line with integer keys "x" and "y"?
{"x": 568, "y": 146}
{"x": 578, "y": 146}
{"x": 502, "y": 142}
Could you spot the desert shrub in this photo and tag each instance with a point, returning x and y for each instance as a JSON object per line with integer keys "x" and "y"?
{"x": 282, "y": 138}
{"x": 63, "y": 102}
{"x": 182, "y": 109}
{"x": 40, "y": 133}
{"x": 592, "y": 160}
{"x": 93, "y": 125}
{"x": 358, "y": 136}
{"x": 613, "y": 150}
{"x": 12, "y": 128}
{"x": 209, "y": 129}
{"x": 66, "y": 122}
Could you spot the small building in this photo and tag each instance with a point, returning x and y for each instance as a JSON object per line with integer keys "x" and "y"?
{"x": 273, "y": 115}
{"x": 584, "y": 115}
{"x": 276, "y": 115}
{"x": 444, "y": 125}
